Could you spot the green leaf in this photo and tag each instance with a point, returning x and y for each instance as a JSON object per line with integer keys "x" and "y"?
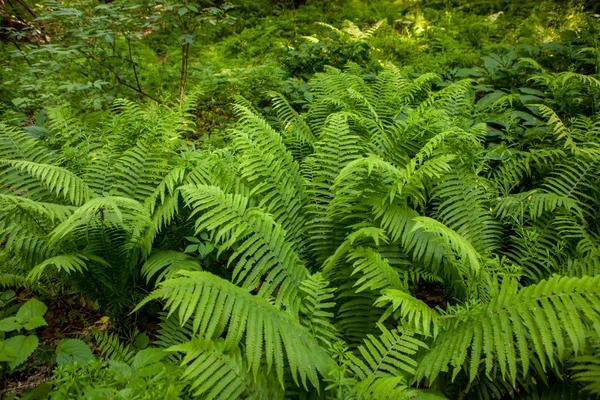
{"x": 6, "y": 353}
{"x": 142, "y": 341}
{"x": 9, "y": 324}
{"x": 144, "y": 360}
{"x": 191, "y": 248}
{"x": 122, "y": 372}
{"x": 69, "y": 350}
{"x": 35, "y": 322}
{"x": 23, "y": 346}
{"x": 182, "y": 11}
{"x": 33, "y": 308}
{"x": 192, "y": 239}
{"x": 205, "y": 249}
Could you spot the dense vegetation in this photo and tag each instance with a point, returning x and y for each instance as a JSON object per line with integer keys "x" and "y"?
{"x": 285, "y": 199}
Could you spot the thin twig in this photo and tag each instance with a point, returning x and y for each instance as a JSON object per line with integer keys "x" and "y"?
{"x": 25, "y": 57}
{"x": 137, "y": 80}
{"x": 123, "y": 82}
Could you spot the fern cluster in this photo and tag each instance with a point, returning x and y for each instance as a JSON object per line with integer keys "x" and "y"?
{"x": 326, "y": 232}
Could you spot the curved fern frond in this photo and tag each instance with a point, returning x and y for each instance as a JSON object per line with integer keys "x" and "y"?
{"x": 376, "y": 273}
{"x": 292, "y": 121}
{"x": 451, "y": 239}
{"x": 136, "y": 172}
{"x": 518, "y": 327}
{"x": 389, "y": 355}
{"x": 464, "y": 207}
{"x": 111, "y": 347}
{"x": 263, "y": 260}
{"x": 16, "y": 144}
{"x": 219, "y": 372}
{"x": 166, "y": 263}
{"x": 49, "y": 211}
{"x": 55, "y": 179}
{"x": 415, "y": 312}
{"x": 65, "y": 262}
{"x": 588, "y": 372}
{"x": 217, "y": 307}
{"x": 127, "y": 214}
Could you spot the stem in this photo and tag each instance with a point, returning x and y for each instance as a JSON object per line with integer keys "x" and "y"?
{"x": 25, "y": 57}
{"x": 123, "y": 82}
{"x": 27, "y": 8}
{"x": 137, "y": 80}
{"x": 185, "y": 47}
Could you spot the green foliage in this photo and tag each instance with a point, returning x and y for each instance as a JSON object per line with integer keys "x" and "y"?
{"x": 15, "y": 349}
{"x": 146, "y": 375}
{"x": 73, "y": 350}
{"x": 403, "y": 208}
{"x": 205, "y": 297}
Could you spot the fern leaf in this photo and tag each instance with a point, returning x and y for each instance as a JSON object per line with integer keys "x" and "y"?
{"x": 389, "y": 355}
{"x": 315, "y": 303}
{"x": 376, "y": 271}
{"x": 505, "y": 330}
{"x": 417, "y": 314}
{"x": 588, "y": 372}
{"x": 217, "y": 306}
{"x": 218, "y": 372}
{"x": 263, "y": 257}
{"x": 67, "y": 262}
{"x": 166, "y": 263}
{"x": 111, "y": 347}
{"x": 57, "y": 180}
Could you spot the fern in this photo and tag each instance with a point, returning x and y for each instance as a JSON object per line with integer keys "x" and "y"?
{"x": 111, "y": 347}
{"x": 587, "y": 371}
{"x": 528, "y": 317}
{"x": 57, "y": 180}
{"x": 263, "y": 258}
{"x": 316, "y": 301}
{"x": 165, "y": 264}
{"x": 216, "y": 371}
{"x": 405, "y": 307}
{"x": 386, "y": 356}
{"x": 206, "y": 298}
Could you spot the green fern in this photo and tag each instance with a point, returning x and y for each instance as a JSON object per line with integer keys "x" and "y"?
{"x": 205, "y": 298}
{"x": 263, "y": 260}
{"x": 566, "y": 307}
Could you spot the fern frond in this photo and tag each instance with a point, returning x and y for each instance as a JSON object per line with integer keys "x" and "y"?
{"x": 111, "y": 347}
{"x": 266, "y": 163}
{"x": 415, "y": 312}
{"x": 314, "y": 306}
{"x": 65, "y": 262}
{"x": 48, "y": 211}
{"x": 292, "y": 121}
{"x": 462, "y": 247}
{"x": 263, "y": 259}
{"x": 136, "y": 172}
{"x": 166, "y": 263}
{"x": 337, "y": 147}
{"x": 588, "y": 372}
{"x": 518, "y": 327}
{"x": 57, "y": 180}
{"x": 217, "y": 371}
{"x": 375, "y": 271}
{"x": 128, "y": 214}
{"x": 464, "y": 207}
{"x": 217, "y": 306}
{"x": 389, "y": 355}
{"x": 18, "y": 145}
